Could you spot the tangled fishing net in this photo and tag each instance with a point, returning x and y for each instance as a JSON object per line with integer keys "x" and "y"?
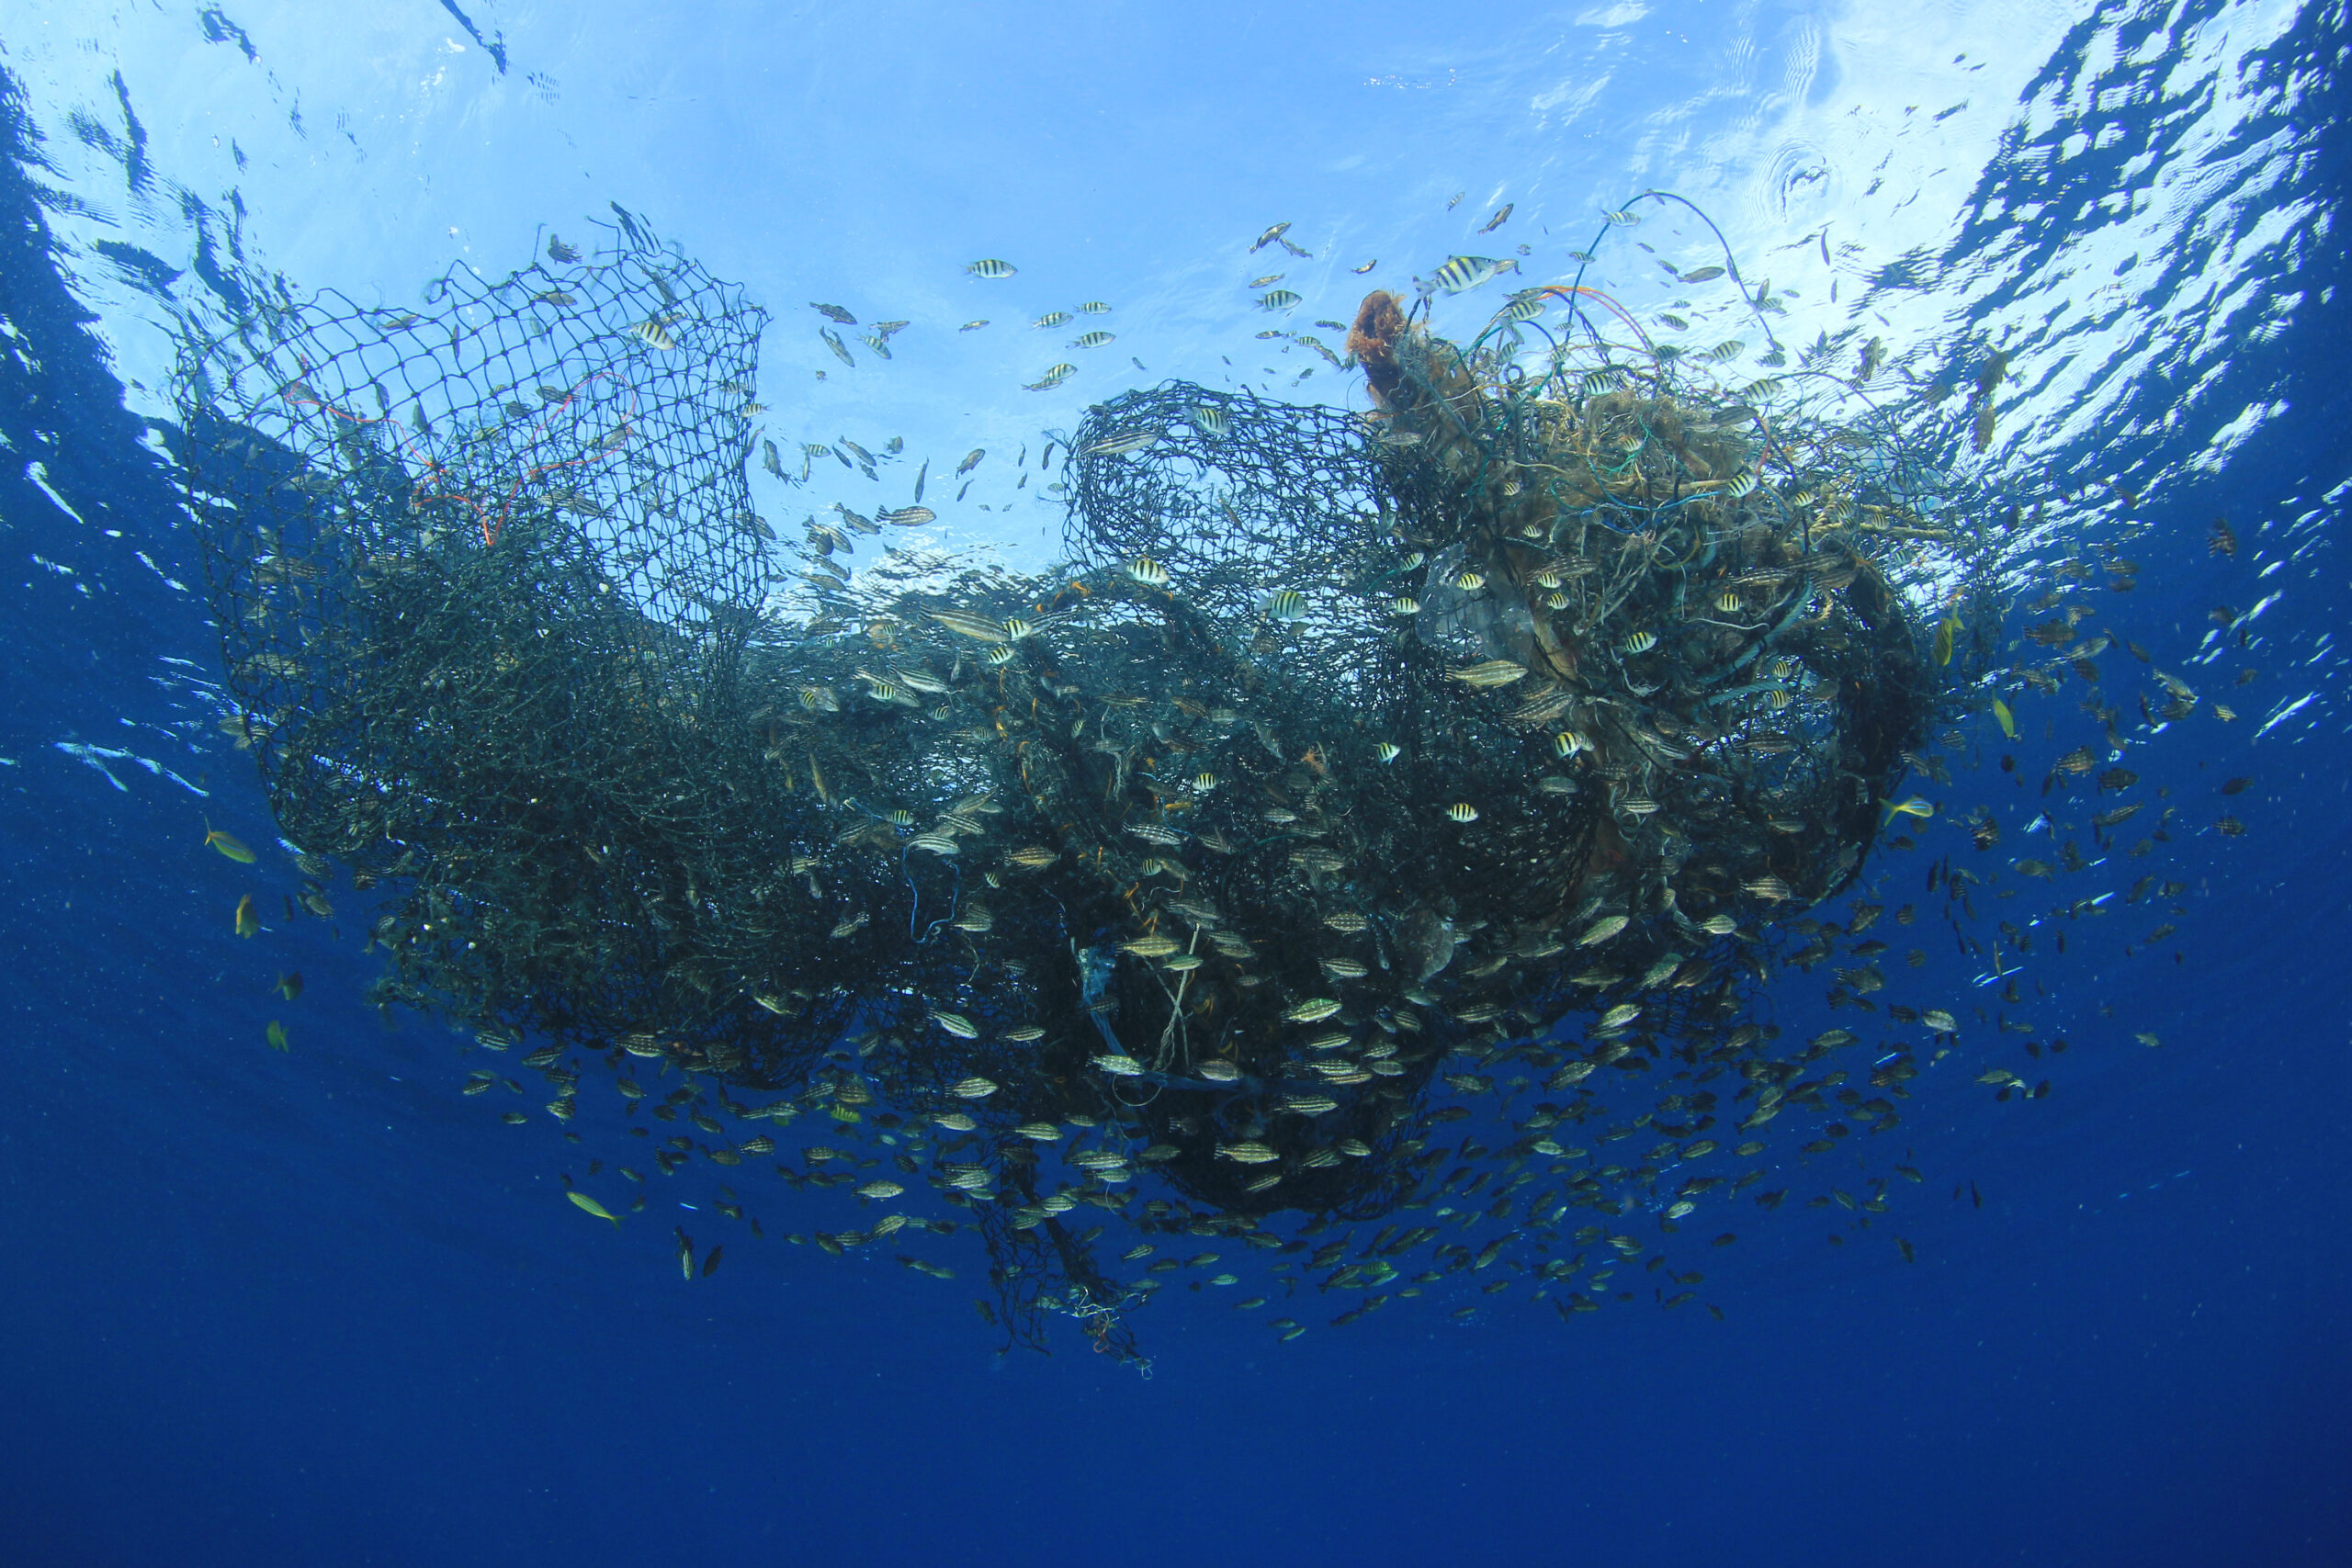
{"x": 1351, "y": 762}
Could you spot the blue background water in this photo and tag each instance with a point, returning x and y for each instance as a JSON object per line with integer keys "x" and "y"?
{"x": 317, "y": 1308}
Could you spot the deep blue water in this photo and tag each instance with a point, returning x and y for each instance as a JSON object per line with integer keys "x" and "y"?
{"x": 314, "y": 1308}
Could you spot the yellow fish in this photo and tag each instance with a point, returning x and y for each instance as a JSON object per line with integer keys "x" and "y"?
{"x": 1493, "y": 672}
{"x": 2008, "y": 719}
{"x": 1947, "y": 634}
{"x": 228, "y": 845}
{"x": 590, "y": 1206}
{"x": 1601, "y": 929}
{"x": 248, "y": 922}
{"x": 276, "y": 1035}
{"x": 1914, "y": 807}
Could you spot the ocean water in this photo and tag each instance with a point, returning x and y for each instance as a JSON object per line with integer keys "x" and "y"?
{"x": 315, "y": 1306}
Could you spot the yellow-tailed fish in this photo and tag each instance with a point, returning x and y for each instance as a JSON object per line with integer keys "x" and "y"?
{"x": 589, "y": 1205}
{"x": 2007, "y": 720}
{"x": 228, "y": 845}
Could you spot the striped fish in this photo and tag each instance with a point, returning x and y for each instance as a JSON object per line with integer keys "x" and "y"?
{"x": 971, "y": 624}
{"x": 1467, "y": 272}
{"x": 1493, "y": 672}
{"x": 1543, "y": 707}
{"x": 1120, "y": 441}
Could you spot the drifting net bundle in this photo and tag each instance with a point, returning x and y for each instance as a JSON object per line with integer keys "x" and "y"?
{"x": 1522, "y": 698}
{"x": 1502, "y": 723}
